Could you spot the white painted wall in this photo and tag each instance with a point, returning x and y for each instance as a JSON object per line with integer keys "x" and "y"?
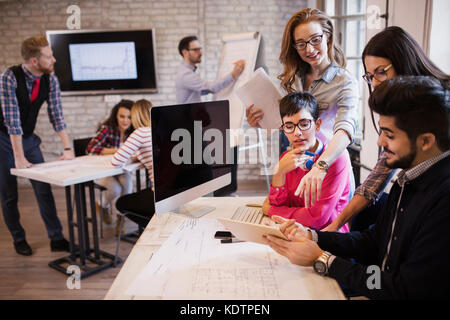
{"x": 439, "y": 37}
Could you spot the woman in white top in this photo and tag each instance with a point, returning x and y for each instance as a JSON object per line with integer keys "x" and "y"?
{"x": 139, "y": 145}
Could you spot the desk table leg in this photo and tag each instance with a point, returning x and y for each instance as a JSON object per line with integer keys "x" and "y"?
{"x": 138, "y": 180}
{"x": 80, "y": 223}
{"x": 70, "y": 223}
{"x": 87, "y": 245}
{"x": 94, "y": 220}
{"x": 83, "y": 251}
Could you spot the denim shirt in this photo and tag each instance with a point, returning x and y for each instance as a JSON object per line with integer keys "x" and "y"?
{"x": 337, "y": 94}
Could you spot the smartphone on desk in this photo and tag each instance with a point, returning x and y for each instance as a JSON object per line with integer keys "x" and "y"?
{"x": 223, "y": 235}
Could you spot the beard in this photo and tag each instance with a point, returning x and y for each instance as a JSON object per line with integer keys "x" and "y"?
{"x": 404, "y": 162}
{"x": 46, "y": 70}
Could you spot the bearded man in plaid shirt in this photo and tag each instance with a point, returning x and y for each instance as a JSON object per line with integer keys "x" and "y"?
{"x": 23, "y": 90}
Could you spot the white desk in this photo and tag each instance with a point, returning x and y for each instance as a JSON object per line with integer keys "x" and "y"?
{"x": 161, "y": 227}
{"x": 79, "y": 173}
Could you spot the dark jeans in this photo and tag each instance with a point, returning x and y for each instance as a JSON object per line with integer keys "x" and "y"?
{"x": 9, "y": 194}
{"x": 141, "y": 203}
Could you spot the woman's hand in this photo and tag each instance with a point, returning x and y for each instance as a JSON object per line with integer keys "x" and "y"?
{"x": 253, "y": 116}
{"x": 310, "y": 186}
{"x": 289, "y": 161}
{"x": 266, "y": 206}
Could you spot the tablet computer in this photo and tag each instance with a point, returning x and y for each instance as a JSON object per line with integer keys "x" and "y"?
{"x": 251, "y": 231}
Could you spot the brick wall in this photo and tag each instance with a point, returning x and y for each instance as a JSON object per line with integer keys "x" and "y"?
{"x": 172, "y": 19}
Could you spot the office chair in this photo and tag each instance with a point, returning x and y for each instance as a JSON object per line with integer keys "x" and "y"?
{"x": 139, "y": 207}
{"x": 79, "y": 149}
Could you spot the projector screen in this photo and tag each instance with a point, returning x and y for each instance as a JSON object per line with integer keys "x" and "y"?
{"x": 99, "y": 62}
{"x": 103, "y": 61}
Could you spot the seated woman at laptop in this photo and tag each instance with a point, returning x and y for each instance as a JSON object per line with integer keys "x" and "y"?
{"x": 301, "y": 123}
{"x": 139, "y": 145}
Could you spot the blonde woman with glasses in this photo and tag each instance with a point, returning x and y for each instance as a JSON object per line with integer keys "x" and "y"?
{"x": 313, "y": 62}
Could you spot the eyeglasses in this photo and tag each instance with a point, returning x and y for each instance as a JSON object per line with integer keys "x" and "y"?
{"x": 195, "y": 49}
{"x": 380, "y": 75}
{"x": 314, "y": 41}
{"x": 303, "y": 125}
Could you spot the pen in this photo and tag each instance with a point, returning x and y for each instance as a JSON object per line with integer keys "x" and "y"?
{"x": 230, "y": 240}
{"x": 254, "y": 205}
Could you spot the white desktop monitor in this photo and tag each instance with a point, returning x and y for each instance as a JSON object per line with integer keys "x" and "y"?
{"x": 191, "y": 154}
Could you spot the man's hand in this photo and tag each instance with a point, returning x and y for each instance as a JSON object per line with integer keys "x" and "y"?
{"x": 67, "y": 155}
{"x": 253, "y": 116}
{"x": 291, "y": 229}
{"x": 22, "y": 163}
{"x": 302, "y": 252}
{"x": 238, "y": 68}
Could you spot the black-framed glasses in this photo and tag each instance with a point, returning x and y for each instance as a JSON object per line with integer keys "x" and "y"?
{"x": 314, "y": 41}
{"x": 380, "y": 75}
{"x": 303, "y": 125}
{"x": 195, "y": 49}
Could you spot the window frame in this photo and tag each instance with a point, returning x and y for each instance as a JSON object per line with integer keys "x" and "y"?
{"x": 339, "y": 19}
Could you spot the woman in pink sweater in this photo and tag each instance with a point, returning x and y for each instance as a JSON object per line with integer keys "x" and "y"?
{"x": 301, "y": 123}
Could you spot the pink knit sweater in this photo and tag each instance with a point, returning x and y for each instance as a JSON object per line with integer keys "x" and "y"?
{"x": 333, "y": 199}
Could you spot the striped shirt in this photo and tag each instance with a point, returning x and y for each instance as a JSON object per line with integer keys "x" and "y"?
{"x": 139, "y": 143}
{"x": 10, "y": 106}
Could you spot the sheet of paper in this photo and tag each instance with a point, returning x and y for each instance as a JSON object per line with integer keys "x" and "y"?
{"x": 261, "y": 92}
{"x": 240, "y": 46}
{"x": 191, "y": 264}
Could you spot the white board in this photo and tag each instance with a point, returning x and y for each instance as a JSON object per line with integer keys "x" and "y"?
{"x": 241, "y": 46}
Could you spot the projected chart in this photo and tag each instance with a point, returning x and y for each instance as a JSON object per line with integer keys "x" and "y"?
{"x": 103, "y": 61}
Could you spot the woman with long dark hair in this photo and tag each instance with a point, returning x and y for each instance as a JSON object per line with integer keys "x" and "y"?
{"x": 390, "y": 53}
{"x": 110, "y": 135}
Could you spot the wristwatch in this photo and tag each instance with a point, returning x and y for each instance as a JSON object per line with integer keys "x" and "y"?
{"x": 322, "y": 165}
{"x": 321, "y": 264}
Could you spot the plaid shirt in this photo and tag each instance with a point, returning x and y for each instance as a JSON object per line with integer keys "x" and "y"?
{"x": 10, "y": 106}
{"x": 377, "y": 180}
{"x": 106, "y": 138}
{"x": 413, "y": 173}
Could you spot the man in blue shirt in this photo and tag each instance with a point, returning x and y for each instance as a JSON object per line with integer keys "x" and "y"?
{"x": 189, "y": 86}
{"x": 23, "y": 90}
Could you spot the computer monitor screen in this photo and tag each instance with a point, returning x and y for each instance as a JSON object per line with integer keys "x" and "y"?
{"x": 191, "y": 152}
{"x": 104, "y": 61}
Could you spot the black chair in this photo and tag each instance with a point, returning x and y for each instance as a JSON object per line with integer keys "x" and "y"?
{"x": 79, "y": 149}
{"x": 139, "y": 207}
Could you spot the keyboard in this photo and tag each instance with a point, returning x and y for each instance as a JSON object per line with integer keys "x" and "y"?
{"x": 248, "y": 214}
